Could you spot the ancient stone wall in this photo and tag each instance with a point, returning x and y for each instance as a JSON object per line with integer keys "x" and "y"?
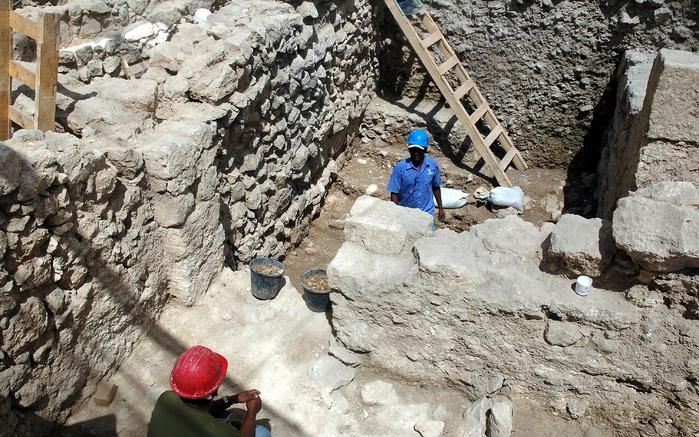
{"x": 546, "y": 67}
{"x": 474, "y": 310}
{"x": 223, "y": 148}
{"x": 653, "y": 136}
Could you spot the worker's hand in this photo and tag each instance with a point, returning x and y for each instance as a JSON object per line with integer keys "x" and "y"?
{"x": 254, "y": 405}
{"x": 247, "y": 395}
{"x": 440, "y": 214}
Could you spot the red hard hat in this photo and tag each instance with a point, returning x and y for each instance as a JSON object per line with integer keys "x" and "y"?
{"x": 198, "y": 372}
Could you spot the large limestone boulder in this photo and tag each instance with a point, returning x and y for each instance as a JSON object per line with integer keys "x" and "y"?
{"x": 385, "y": 228}
{"x": 659, "y": 227}
{"x": 580, "y": 246}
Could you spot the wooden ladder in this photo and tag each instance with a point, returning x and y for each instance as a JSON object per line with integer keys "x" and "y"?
{"x": 42, "y": 77}
{"x": 458, "y": 89}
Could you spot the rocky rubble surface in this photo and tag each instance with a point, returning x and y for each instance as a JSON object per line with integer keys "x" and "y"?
{"x": 493, "y": 323}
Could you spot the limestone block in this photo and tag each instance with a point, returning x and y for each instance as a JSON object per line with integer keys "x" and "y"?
{"x": 193, "y": 253}
{"x": 667, "y": 161}
{"x": 25, "y": 327}
{"x": 450, "y": 254}
{"x": 354, "y": 270}
{"x": 385, "y": 228}
{"x": 430, "y": 428}
{"x": 675, "y": 192}
{"x": 674, "y": 106}
{"x": 581, "y": 246}
{"x": 500, "y": 418}
{"x": 172, "y": 211}
{"x": 12, "y": 169}
{"x": 127, "y": 161}
{"x": 474, "y": 419}
{"x": 170, "y": 151}
{"x": 379, "y": 393}
{"x": 659, "y": 236}
{"x": 167, "y": 55}
{"x": 562, "y": 333}
{"x": 330, "y": 373}
{"x": 508, "y": 240}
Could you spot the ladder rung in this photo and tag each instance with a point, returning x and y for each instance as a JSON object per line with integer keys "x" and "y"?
{"x": 509, "y": 156}
{"x": 463, "y": 89}
{"x": 478, "y": 113}
{"x": 430, "y": 40}
{"x": 23, "y": 73}
{"x": 448, "y": 65}
{"x": 493, "y": 135}
{"x": 21, "y": 119}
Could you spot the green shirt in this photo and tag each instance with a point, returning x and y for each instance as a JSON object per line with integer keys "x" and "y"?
{"x": 172, "y": 417}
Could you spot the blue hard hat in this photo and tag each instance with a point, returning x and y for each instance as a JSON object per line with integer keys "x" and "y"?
{"x": 419, "y": 138}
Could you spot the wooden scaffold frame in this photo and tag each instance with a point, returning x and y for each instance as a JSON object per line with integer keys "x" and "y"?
{"x": 41, "y": 76}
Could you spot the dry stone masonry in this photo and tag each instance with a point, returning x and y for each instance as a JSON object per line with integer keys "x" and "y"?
{"x": 474, "y": 310}
{"x": 654, "y": 135}
{"x": 221, "y": 150}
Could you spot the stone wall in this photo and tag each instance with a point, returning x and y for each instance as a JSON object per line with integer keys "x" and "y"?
{"x": 653, "y": 136}
{"x": 473, "y": 310}
{"x": 223, "y": 149}
{"x": 546, "y": 67}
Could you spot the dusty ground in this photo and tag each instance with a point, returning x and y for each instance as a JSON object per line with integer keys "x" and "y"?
{"x": 281, "y": 348}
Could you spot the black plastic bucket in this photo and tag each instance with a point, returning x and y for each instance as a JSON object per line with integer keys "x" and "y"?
{"x": 266, "y": 284}
{"x": 316, "y": 300}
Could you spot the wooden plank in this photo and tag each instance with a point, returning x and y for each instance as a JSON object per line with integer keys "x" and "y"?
{"x": 493, "y": 135}
{"x": 5, "y": 79}
{"x": 507, "y": 158}
{"x": 463, "y": 89}
{"x": 22, "y": 71}
{"x": 432, "y": 39}
{"x": 21, "y": 119}
{"x": 455, "y": 104}
{"x": 25, "y": 25}
{"x": 447, "y": 65}
{"x": 478, "y": 113}
{"x": 47, "y": 73}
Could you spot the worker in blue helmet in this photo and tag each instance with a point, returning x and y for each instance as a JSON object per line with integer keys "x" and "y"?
{"x": 415, "y": 181}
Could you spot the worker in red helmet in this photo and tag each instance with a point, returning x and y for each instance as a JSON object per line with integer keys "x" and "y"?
{"x": 192, "y": 408}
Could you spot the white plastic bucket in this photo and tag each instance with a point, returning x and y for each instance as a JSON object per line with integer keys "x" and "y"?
{"x": 583, "y": 285}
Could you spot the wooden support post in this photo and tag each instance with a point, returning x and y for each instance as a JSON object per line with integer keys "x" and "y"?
{"x": 46, "y": 72}
{"x": 5, "y": 56}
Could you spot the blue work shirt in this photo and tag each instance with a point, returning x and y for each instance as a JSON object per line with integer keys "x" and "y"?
{"x": 414, "y": 186}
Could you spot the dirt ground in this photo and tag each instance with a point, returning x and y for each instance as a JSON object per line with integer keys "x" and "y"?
{"x": 368, "y": 170}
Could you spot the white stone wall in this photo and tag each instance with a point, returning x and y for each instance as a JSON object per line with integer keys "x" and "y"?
{"x": 653, "y": 135}
{"x": 222, "y": 151}
{"x": 474, "y": 310}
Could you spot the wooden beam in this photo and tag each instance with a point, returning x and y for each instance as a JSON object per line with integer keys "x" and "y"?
{"x": 22, "y": 71}
{"x": 5, "y": 80}
{"x": 21, "y": 119}
{"x": 47, "y": 72}
{"x": 25, "y": 25}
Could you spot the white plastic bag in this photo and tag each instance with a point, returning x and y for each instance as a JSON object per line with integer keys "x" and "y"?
{"x": 506, "y": 196}
{"x": 452, "y": 198}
